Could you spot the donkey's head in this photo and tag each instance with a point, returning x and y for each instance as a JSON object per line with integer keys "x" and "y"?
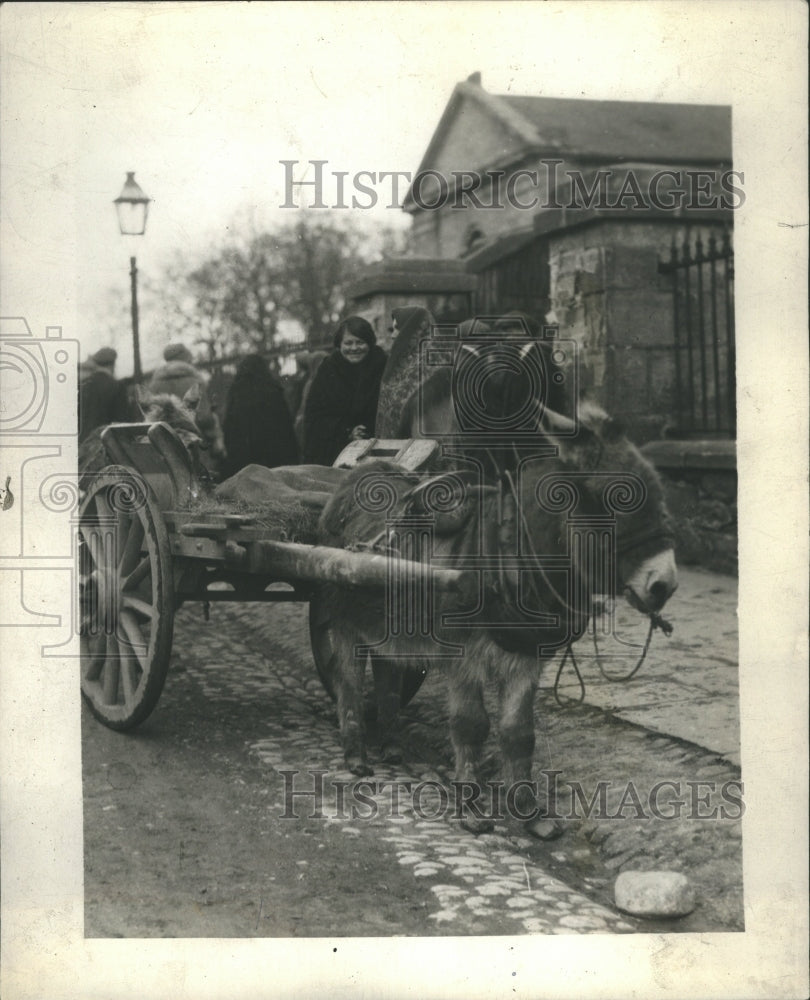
{"x": 610, "y": 503}
{"x": 179, "y": 414}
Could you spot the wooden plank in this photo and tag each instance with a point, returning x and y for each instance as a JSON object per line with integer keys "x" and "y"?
{"x": 207, "y": 549}
{"x": 417, "y": 453}
{"x": 411, "y": 453}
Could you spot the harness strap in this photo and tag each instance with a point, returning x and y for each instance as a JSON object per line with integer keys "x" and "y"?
{"x": 633, "y": 541}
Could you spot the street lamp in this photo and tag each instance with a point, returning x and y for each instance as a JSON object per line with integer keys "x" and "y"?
{"x": 132, "y": 206}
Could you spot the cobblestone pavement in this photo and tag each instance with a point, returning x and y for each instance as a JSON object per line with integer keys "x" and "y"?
{"x": 482, "y": 885}
{"x": 642, "y": 732}
{"x": 688, "y": 685}
{"x": 184, "y": 833}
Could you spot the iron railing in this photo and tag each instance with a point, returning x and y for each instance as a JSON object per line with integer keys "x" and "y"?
{"x": 518, "y": 281}
{"x": 703, "y": 309}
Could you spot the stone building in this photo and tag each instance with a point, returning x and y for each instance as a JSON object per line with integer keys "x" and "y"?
{"x": 613, "y": 220}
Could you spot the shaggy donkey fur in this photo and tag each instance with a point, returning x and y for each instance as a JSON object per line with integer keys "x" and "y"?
{"x": 525, "y": 615}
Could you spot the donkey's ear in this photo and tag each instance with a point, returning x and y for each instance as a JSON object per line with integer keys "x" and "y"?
{"x": 143, "y": 397}
{"x": 191, "y": 400}
{"x": 579, "y": 449}
{"x": 556, "y": 423}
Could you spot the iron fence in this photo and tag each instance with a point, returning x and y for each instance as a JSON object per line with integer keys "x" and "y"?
{"x": 517, "y": 281}
{"x": 703, "y": 309}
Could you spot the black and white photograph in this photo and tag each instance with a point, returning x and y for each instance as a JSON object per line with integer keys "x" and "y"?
{"x": 403, "y": 434}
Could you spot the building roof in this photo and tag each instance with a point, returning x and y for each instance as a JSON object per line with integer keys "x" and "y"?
{"x": 595, "y": 131}
{"x": 628, "y": 130}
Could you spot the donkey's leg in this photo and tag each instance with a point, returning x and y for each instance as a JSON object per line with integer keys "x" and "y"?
{"x": 349, "y": 677}
{"x": 469, "y": 727}
{"x": 518, "y": 684}
{"x": 388, "y": 693}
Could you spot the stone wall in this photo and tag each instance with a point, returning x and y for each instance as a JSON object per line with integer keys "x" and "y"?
{"x": 443, "y": 287}
{"x": 700, "y": 484}
{"x": 607, "y": 295}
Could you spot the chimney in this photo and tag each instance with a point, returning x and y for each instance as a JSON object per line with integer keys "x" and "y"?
{"x": 475, "y": 78}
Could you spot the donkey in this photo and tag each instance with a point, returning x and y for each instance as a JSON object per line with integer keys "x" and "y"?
{"x": 516, "y": 504}
{"x": 179, "y": 414}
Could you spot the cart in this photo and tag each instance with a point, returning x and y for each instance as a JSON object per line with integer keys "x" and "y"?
{"x": 144, "y": 551}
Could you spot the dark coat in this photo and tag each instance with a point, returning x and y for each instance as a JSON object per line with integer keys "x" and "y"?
{"x": 102, "y": 400}
{"x": 342, "y": 395}
{"x": 258, "y": 427}
{"x": 403, "y": 374}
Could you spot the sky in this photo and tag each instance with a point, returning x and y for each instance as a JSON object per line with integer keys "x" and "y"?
{"x": 202, "y": 101}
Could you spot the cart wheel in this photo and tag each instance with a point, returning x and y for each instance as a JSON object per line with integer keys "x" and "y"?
{"x": 126, "y": 601}
{"x": 323, "y": 652}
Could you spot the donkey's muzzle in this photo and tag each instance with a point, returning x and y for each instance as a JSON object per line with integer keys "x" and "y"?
{"x": 654, "y": 582}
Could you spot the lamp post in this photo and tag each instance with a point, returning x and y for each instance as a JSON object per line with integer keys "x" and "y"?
{"x": 132, "y": 206}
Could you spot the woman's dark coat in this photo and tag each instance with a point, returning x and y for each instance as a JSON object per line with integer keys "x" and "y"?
{"x": 342, "y": 395}
{"x": 258, "y": 428}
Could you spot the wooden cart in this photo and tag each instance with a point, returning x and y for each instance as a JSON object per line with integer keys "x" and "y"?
{"x": 144, "y": 551}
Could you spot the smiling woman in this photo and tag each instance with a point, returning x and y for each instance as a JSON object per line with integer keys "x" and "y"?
{"x": 342, "y": 403}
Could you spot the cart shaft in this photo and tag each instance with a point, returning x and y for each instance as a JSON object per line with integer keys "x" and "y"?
{"x": 324, "y": 564}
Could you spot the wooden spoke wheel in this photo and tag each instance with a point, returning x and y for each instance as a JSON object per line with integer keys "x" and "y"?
{"x": 323, "y": 652}
{"x": 126, "y": 601}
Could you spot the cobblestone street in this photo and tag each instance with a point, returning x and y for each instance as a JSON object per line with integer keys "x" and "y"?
{"x": 688, "y": 686}
{"x": 203, "y": 788}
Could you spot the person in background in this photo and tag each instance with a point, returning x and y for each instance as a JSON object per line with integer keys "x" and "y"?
{"x": 86, "y": 369}
{"x": 102, "y": 398}
{"x": 257, "y": 426}
{"x": 411, "y": 326}
{"x": 308, "y": 363}
{"x": 175, "y": 377}
{"x": 341, "y": 404}
{"x": 294, "y": 384}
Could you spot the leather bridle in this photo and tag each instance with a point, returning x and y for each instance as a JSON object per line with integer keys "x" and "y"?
{"x": 509, "y": 508}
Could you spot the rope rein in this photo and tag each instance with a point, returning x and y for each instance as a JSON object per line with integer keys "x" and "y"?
{"x": 656, "y": 622}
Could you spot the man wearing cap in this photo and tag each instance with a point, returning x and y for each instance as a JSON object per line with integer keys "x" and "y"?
{"x": 102, "y": 398}
{"x": 176, "y": 377}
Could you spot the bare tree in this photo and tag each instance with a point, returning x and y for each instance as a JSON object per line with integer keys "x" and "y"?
{"x": 231, "y": 299}
{"x": 319, "y": 259}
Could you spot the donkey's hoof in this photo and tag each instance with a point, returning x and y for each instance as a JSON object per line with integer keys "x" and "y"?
{"x": 544, "y": 829}
{"x": 477, "y": 824}
{"x": 359, "y": 767}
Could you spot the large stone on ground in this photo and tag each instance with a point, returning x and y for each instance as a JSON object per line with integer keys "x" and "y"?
{"x": 654, "y": 894}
